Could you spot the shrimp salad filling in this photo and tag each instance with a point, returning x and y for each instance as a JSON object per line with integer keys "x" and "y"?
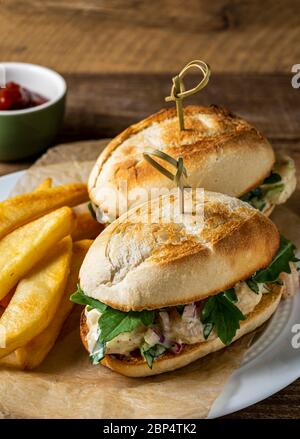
{"x": 155, "y": 332}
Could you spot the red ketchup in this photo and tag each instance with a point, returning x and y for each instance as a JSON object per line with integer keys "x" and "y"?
{"x": 15, "y": 97}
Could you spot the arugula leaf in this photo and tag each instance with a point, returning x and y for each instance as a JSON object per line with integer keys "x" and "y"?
{"x": 257, "y": 192}
{"x": 255, "y": 197}
{"x": 208, "y": 327}
{"x": 147, "y": 317}
{"x": 219, "y": 312}
{"x": 279, "y": 264}
{"x": 98, "y": 352}
{"x": 231, "y": 295}
{"x": 91, "y": 210}
{"x": 113, "y": 322}
{"x": 150, "y": 354}
{"x": 252, "y": 285}
{"x": 180, "y": 309}
{"x": 82, "y": 299}
{"x": 273, "y": 178}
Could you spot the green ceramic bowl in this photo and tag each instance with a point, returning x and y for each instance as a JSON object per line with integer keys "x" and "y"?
{"x": 26, "y": 132}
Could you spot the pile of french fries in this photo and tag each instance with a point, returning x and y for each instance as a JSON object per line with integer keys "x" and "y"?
{"x": 44, "y": 236}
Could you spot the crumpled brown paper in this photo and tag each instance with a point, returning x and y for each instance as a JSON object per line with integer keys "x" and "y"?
{"x": 66, "y": 385}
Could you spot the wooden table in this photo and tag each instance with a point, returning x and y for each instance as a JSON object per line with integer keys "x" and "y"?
{"x": 151, "y": 36}
{"x": 102, "y": 105}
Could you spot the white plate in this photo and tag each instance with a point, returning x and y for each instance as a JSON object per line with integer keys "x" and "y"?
{"x": 7, "y": 183}
{"x": 269, "y": 365}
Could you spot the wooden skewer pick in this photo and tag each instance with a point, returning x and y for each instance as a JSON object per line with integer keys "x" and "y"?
{"x": 178, "y": 92}
{"x": 177, "y": 177}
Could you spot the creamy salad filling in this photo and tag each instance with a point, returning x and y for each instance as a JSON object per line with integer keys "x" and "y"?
{"x": 172, "y": 327}
{"x": 276, "y": 189}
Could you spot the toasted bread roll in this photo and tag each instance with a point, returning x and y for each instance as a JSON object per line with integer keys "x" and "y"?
{"x": 136, "y": 264}
{"x": 222, "y": 153}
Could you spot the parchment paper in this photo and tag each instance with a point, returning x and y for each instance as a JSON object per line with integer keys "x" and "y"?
{"x": 66, "y": 385}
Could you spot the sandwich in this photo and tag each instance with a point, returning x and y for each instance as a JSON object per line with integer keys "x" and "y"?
{"x": 222, "y": 152}
{"x": 161, "y": 294}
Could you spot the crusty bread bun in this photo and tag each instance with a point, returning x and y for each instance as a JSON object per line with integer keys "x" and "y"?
{"x": 222, "y": 153}
{"x": 135, "y": 366}
{"x": 135, "y": 265}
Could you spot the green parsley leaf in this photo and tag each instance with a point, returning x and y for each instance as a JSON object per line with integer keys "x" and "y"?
{"x": 220, "y": 313}
{"x": 279, "y": 264}
{"x": 147, "y": 317}
{"x": 82, "y": 299}
{"x": 248, "y": 196}
{"x": 180, "y": 309}
{"x": 252, "y": 285}
{"x": 113, "y": 322}
{"x": 273, "y": 178}
{"x": 98, "y": 352}
{"x": 150, "y": 354}
{"x": 231, "y": 295}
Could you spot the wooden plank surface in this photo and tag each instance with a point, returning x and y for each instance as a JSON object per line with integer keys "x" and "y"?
{"x": 103, "y": 105}
{"x": 151, "y": 36}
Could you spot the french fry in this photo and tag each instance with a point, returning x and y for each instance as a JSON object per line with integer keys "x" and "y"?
{"x": 22, "y": 209}
{"x": 86, "y": 227}
{"x": 33, "y": 353}
{"x": 23, "y": 248}
{"x": 46, "y": 184}
{"x": 36, "y": 299}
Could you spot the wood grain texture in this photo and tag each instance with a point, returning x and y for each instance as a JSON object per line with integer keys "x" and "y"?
{"x": 157, "y": 36}
{"x": 103, "y": 105}
{"x": 7, "y": 168}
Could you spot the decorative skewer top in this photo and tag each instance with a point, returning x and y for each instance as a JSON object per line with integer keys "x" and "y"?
{"x": 178, "y": 91}
{"x": 178, "y": 177}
